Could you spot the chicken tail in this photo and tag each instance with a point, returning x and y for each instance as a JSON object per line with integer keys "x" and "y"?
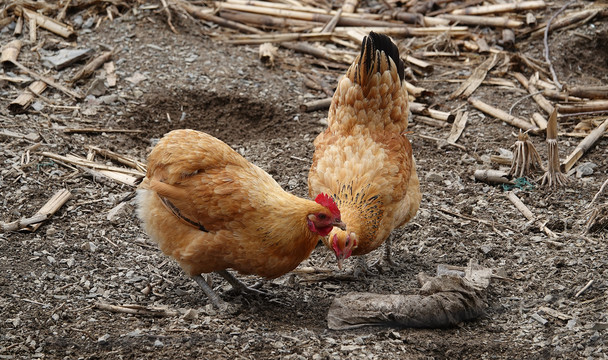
{"x": 376, "y": 50}
{"x": 372, "y": 93}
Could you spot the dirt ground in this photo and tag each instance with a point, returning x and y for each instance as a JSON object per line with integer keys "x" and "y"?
{"x": 52, "y": 278}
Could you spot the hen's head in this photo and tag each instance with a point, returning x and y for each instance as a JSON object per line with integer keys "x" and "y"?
{"x": 326, "y": 217}
{"x": 343, "y": 243}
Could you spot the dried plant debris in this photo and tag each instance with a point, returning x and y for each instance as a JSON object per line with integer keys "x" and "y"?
{"x": 598, "y": 219}
{"x": 554, "y": 176}
{"x": 525, "y": 157}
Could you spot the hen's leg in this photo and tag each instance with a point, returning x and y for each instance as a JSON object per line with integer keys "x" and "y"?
{"x": 361, "y": 267}
{"x": 213, "y": 297}
{"x": 237, "y": 284}
{"x": 387, "y": 253}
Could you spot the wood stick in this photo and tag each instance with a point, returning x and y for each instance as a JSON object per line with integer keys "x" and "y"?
{"x": 429, "y": 121}
{"x": 205, "y": 15}
{"x": 583, "y": 146}
{"x": 315, "y": 105}
{"x": 495, "y": 21}
{"x": 590, "y": 92}
{"x": 536, "y": 95}
{"x": 275, "y": 38}
{"x": 500, "y": 8}
{"x": 476, "y": 78}
{"x": 21, "y": 103}
{"x": 100, "y": 130}
{"x": 10, "y": 51}
{"x": 138, "y": 165}
{"x": 301, "y": 15}
{"x": 137, "y": 310}
{"x": 51, "y": 207}
{"x": 23, "y": 223}
{"x": 349, "y": 6}
{"x": 590, "y": 106}
{"x": 49, "y": 81}
{"x": 92, "y": 65}
{"x": 562, "y": 96}
{"x": 493, "y": 177}
{"x": 90, "y": 164}
{"x": 441, "y": 142}
{"x": 578, "y": 293}
{"x": 458, "y": 126}
{"x": 502, "y": 115}
{"x": 265, "y": 20}
{"x": 528, "y": 214}
{"x": 563, "y": 22}
{"x": 49, "y": 24}
{"x": 422, "y": 109}
{"x": 540, "y": 121}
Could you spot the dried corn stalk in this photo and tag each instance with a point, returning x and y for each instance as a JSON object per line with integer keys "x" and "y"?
{"x": 525, "y": 157}
{"x": 553, "y": 177}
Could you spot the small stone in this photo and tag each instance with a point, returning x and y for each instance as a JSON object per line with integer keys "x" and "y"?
{"x": 158, "y": 343}
{"x": 89, "y": 246}
{"x": 191, "y": 314}
{"x": 103, "y": 339}
{"x": 433, "y": 177}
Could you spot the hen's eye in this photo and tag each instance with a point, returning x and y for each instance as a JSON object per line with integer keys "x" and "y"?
{"x": 322, "y": 216}
{"x": 347, "y": 242}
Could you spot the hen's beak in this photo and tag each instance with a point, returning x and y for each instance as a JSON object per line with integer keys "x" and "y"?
{"x": 340, "y": 224}
{"x": 340, "y": 260}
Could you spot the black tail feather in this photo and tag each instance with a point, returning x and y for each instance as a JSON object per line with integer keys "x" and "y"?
{"x": 384, "y": 44}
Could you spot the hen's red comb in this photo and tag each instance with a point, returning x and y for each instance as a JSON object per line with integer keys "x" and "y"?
{"x": 328, "y": 202}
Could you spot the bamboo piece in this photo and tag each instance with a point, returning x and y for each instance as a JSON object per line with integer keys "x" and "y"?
{"x": 48, "y": 80}
{"x": 553, "y": 177}
{"x": 494, "y": 21}
{"x": 528, "y": 214}
{"x": 536, "y": 95}
{"x": 493, "y": 177}
{"x": 502, "y": 115}
{"x": 51, "y": 207}
{"x": 92, "y": 65}
{"x": 49, "y": 24}
{"x": 442, "y": 142}
{"x": 583, "y": 146}
{"x": 10, "y": 51}
{"x": 590, "y": 106}
{"x": 501, "y": 160}
{"x": 23, "y": 101}
{"x": 458, "y": 126}
{"x": 472, "y": 83}
{"x": 590, "y": 92}
{"x": 500, "y": 8}
{"x": 356, "y": 33}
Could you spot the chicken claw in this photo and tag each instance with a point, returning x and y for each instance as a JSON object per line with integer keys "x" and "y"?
{"x": 238, "y": 285}
{"x": 213, "y": 297}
